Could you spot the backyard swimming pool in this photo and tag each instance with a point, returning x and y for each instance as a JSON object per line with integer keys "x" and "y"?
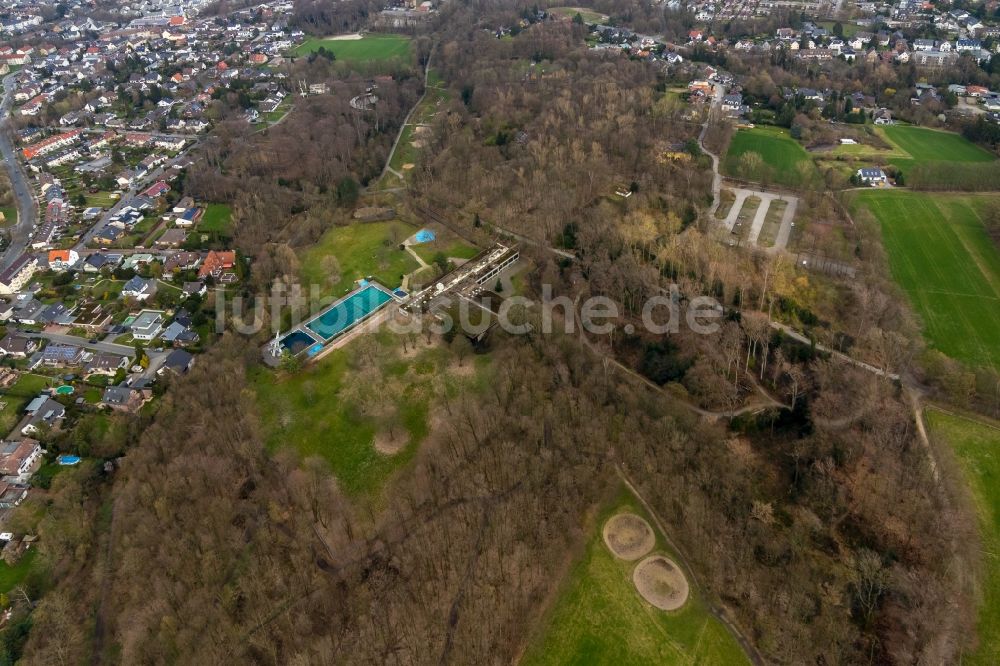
{"x": 348, "y": 311}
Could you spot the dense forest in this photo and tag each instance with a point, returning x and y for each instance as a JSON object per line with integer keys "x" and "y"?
{"x": 821, "y": 523}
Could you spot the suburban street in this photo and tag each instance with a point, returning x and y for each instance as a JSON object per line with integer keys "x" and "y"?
{"x": 156, "y": 358}
{"x": 23, "y": 192}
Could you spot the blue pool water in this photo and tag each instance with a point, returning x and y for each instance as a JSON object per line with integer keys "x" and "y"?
{"x": 296, "y": 341}
{"x": 424, "y": 236}
{"x": 65, "y": 459}
{"x": 345, "y": 313}
{"x": 315, "y": 349}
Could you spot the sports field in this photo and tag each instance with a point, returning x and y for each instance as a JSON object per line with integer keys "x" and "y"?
{"x": 358, "y": 250}
{"x": 599, "y": 617}
{"x": 940, "y": 254}
{"x": 977, "y": 446}
{"x": 367, "y": 49}
{"x": 779, "y": 158}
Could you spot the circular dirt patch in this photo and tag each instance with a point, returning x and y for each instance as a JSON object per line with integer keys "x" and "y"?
{"x": 408, "y": 166}
{"x": 390, "y": 446}
{"x": 628, "y": 536}
{"x": 661, "y": 582}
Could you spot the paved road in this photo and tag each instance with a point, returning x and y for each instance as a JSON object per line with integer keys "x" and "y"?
{"x": 156, "y": 358}
{"x": 27, "y": 209}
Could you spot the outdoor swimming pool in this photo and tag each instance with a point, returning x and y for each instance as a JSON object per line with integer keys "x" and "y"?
{"x": 350, "y": 310}
{"x": 296, "y": 341}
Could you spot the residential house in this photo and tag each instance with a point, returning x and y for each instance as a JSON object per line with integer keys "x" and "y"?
{"x": 17, "y": 346}
{"x": 124, "y": 398}
{"x": 872, "y": 176}
{"x": 105, "y": 363}
{"x": 178, "y": 361}
{"x": 44, "y": 412}
{"x": 20, "y": 458}
{"x": 217, "y": 263}
{"x": 16, "y": 276}
{"x": 147, "y": 325}
{"x": 141, "y": 289}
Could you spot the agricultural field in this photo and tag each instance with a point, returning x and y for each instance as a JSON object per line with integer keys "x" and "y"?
{"x": 588, "y": 15}
{"x": 359, "y": 250}
{"x": 370, "y": 48}
{"x": 977, "y": 446}
{"x": 768, "y": 155}
{"x": 940, "y": 254}
{"x": 599, "y": 618}
{"x": 27, "y": 387}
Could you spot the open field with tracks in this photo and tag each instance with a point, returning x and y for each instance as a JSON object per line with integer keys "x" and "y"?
{"x": 940, "y": 254}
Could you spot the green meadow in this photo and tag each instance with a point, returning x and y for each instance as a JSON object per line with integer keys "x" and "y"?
{"x": 940, "y": 254}
{"x": 376, "y": 47}
{"x": 779, "y": 158}
{"x": 977, "y": 446}
{"x": 360, "y": 250}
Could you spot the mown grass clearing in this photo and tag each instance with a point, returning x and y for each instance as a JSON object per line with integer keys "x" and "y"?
{"x": 449, "y": 247}
{"x": 928, "y": 145}
{"x": 359, "y": 250}
{"x": 768, "y": 155}
{"x": 599, "y": 617}
{"x": 217, "y": 219}
{"x": 940, "y": 254}
{"x": 367, "y": 49}
{"x": 977, "y": 446}
{"x": 588, "y": 15}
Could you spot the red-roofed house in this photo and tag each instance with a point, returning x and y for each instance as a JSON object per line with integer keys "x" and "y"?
{"x": 216, "y": 263}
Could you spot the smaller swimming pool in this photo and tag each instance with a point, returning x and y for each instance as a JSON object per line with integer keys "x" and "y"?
{"x": 66, "y": 459}
{"x": 424, "y": 236}
{"x": 296, "y": 341}
{"x": 315, "y": 349}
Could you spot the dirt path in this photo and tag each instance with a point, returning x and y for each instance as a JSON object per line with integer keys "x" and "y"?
{"x": 406, "y": 121}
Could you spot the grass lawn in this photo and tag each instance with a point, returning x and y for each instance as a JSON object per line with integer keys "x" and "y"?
{"x": 283, "y": 107}
{"x": 450, "y": 248}
{"x": 11, "y": 576}
{"x": 369, "y": 48}
{"x": 588, "y": 15}
{"x": 100, "y": 199}
{"x": 26, "y": 388}
{"x": 599, "y": 617}
{"x": 782, "y": 160}
{"x": 361, "y": 250}
{"x": 216, "y": 219}
{"x": 9, "y": 215}
{"x": 978, "y": 448}
{"x": 928, "y": 145}
{"x": 940, "y": 254}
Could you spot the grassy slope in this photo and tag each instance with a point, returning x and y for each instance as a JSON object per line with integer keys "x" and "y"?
{"x": 599, "y": 618}
{"x": 310, "y": 411}
{"x": 978, "y": 448}
{"x": 361, "y": 250}
{"x": 9, "y": 214}
{"x": 782, "y": 154}
{"x": 588, "y": 15}
{"x": 940, "y": 254}
{"x": 11, "y": 576}
{"x": 450, "y": 248}
{"x": 371, "y": 47}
